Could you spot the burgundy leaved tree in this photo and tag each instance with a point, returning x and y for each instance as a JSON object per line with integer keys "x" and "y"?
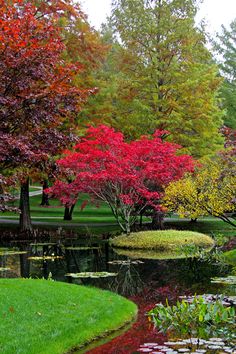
{"x": 37, "y": 91}
{"x": 127, "y": 176}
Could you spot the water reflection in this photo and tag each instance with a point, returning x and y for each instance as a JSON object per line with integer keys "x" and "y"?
{"x": 134, "y": 271}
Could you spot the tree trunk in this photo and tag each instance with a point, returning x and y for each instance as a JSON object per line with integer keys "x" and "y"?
{"x": 141, "y": 220}
{"x": 193, "y": 220}
{"x": 158, "y": 220}
{"x": 24, "y": 262}
{"x": 68, "y": 212}
{"x": 25, "y": 220}
{"x": 45, "y": 198}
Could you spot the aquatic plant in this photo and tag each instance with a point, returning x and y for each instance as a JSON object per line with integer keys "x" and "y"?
{"x": 197, "y": 318}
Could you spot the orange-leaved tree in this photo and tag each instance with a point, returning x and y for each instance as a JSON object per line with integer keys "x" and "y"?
{"x": 38, "y": 90}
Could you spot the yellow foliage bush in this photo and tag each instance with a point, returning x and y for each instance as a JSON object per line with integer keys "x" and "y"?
{"x": 209, "y": 192}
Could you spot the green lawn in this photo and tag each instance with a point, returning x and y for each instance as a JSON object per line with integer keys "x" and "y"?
{"x": 94, "y": 215}
{"x": 207, "y": 225}
{"x": 57, "y": 210}
{"x": 47, "y": 317}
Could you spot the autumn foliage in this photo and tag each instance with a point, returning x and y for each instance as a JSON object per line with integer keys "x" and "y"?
{"x": 36, "y": 89}
{"x": 39, "y": 96}
{"x": 210, "y": 192}
{"x": 126, "y": 176}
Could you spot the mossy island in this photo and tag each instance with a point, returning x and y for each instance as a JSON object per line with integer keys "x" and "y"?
{"x": 161, "y": 240}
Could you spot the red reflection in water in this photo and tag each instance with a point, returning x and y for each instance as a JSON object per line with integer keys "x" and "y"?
{"x": 142, "y": 331}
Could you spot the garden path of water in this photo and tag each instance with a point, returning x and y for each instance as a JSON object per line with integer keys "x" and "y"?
{"x": 145, "y": 281}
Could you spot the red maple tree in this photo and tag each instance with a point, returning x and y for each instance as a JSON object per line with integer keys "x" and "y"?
{"x": 38, "y": 93}
{"x": 128, "y": 176}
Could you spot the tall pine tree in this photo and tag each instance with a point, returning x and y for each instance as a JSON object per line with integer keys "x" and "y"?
{"x": 226, "y": 48}
{"x": 165, "y": 75}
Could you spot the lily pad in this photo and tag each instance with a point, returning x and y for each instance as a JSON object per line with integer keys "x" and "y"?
{"x": 12, "y": 253}
{"x": 39, "y": 258}
{"x": 209, "y": 298}
{"x": 193, "y": 345}
{"x": 230, "y": 280}
{"x": 91, "y": 275}
{"x": 43, "y": 244}
{"x": 85, "y": 248}
{"x": 127, "y": 262}
{"x": 2, "y": 269}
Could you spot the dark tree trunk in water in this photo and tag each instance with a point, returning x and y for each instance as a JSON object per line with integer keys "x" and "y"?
{"x": 158, "y": 220}
{"x": 141, "y": 220}
{"x": 68, "y": 212}
{"x": 45, "y": 198}
{"x": 25, "y": 220}
{"x": 24, "y": 263}
{"x": 193, "y": 220}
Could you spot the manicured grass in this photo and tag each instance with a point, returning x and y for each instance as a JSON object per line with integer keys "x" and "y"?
{"x": 53, "y": 216}
{"x": 161, "y": 240}
{"x": 207, "y": 225}
{"x": 56, "y": 209}
{"x": 47, "y": 317}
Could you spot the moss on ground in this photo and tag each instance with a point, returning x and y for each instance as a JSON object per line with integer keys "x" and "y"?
{"x": 47, "y": 317}
{"x": 161, "y": 240}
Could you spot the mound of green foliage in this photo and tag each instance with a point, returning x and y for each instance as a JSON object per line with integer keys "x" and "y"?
{"x": 47, "y": 317}
{"x": 162, "y": 240}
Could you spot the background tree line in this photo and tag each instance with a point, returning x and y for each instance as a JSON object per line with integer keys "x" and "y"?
{"x": 149, "y": 68}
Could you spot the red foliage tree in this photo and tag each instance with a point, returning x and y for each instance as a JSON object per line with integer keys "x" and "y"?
{"x": 127, "y": 176}
{"x": 37, "y": 87}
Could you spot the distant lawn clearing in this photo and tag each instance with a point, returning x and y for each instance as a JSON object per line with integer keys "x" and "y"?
{"x": 161, "y": 240}
{"x": 47, "y": 317}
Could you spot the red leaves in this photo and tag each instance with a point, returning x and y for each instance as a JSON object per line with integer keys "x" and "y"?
{"x": 127, "y": 176}
{"x": 37, "y": 90}
{"x": 142, "y": 331}
{"x": 83, "y": 205}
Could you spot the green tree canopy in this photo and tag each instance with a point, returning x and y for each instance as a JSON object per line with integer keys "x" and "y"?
{"x": 225, "y": 46}
{"x": 165, "y": 77}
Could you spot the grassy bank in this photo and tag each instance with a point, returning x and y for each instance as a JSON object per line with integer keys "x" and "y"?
{"x": 46, "y": 317}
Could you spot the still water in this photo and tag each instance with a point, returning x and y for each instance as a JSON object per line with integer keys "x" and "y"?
{"x": 93, "y": 262}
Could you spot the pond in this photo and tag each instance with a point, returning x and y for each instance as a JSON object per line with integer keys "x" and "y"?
{"x": 143, "y": 279}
